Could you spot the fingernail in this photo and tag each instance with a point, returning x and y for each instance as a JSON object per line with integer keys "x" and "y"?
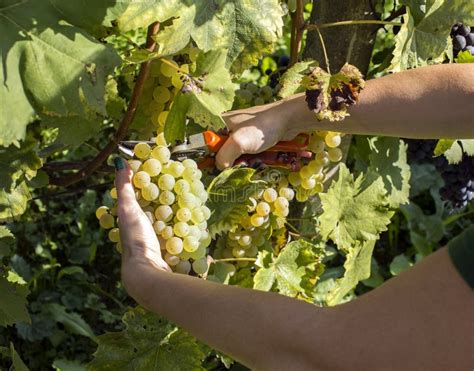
{"x": 119, "y": 163}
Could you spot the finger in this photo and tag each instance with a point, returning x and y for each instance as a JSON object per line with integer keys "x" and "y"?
{"x": 123, "y": 183}
{"x": 229, "y": 152}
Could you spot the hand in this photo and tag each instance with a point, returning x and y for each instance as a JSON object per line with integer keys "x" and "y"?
{"x": 141, "y": 247}
{"x": 254, "y": 130}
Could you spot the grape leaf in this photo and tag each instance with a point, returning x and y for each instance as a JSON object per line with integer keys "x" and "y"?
{"x": 73, "y": 130}
{"x": 7, "y": 241}
{"x": 229, "y": 195}
{"x": 52, "y": 67}
{"x": 207, "y": 93}
{"x": 18, "y": 364}
{"x": 147, "y": 343}
{"x": 13, "y": 303}
{"x": 354, "y": 210}
{"x": 18, "y": 164}
{"x": 465, "y": 57}
{"x": 357, "y": 268}
{"x": 71, "y": 321}
{"x": 236, "y": 26}
{"x": 67, "y": 365}
{"x": 399, "y": 264}
{"x": 452, "y": 149}
{"x": 291, "y": 80}
{"x": 388, "y": 159}
{"x": 13, "y": 202}
{"x": 287, "y": 271}
{"x": 424, "y": 35}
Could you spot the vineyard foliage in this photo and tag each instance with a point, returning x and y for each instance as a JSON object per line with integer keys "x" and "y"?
{"x": 79, "y": 76}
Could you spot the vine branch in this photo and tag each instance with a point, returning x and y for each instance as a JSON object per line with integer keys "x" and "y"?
{"x": 127, "y": 119}
{"x": 297, "y": 31}
{"x": 313, "y": 26}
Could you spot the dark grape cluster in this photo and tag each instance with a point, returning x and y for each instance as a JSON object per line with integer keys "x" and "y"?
{"x": 463, "y": 38}
{"x": 458, "y": 179}
{"x": 283, "y": 63}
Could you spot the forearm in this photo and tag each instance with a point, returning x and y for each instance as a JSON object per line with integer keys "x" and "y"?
{"x": 264, "y": 331}
{"x": 431, "y": 102}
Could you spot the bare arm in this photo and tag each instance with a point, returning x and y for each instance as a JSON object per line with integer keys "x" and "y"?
{"x": 430, "y": 102}
{"x": 420, "y": 320}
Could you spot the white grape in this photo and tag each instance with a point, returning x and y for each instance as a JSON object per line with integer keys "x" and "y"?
{"x": 238, "y": 252}
{"x": 197, "y": 216}
{"x": 168, "y": 70}
{"x": 113, "y": 193}
{"x": 166, "y": 182}
{"x": 288, "y": 193}
{"x": 270, "y": 195}
{"x": 159, "y": 226}
{"x": 107, "y": 221}
{"x": 335, "y": 154}
{"x": 101, "y": 211}
{"x": 150, "y": 192}
{"x": 142, "y": 150}
{"x": 152, "y": 167}
{"x": 190, "y": 164}
{"x": 195, "y": 231}
{"x": 190, "y": 174}
{"x": 206, "y": 211}
{"x": 114, "y": 235}
{"x": 162, "y": 117}
{"x": 305, "y": 172}
{"x": 245, "y": 240}
{"x": 183, "y": 214}
{"x": 200, "y": 266}
{"x": 263, "y": 209}
{"x": 315, "y": 167}
{"x": 322, "y": 158}
{"x": 181, "y": 187}
{"x": 183, "y": 267}
{"x": 160, "y": 140}
{"x": 164, "y": 213}
{"x": 308, "y": 183}
{"x": 191, "y": 244}
{"x": 141, "y": 179}
{"x": 174, "y": 245}
{"x": 167, "y": 232}
{"x": 257, "y": 220}
{"x": 135, "y": 165}
{"x": 281, "y": 203}
{"x": 161, "y": 94}
{"x": 167, "y": 198}
{"x": 176, "y": 169}
{"x": 333, "y": 140}
{"x": 181, "y": 229}
{"x": 294, "y": 179}
{"x": 172, "y": 260}
{"x": 162, "y": 154}
{"x": 187, "y": 200}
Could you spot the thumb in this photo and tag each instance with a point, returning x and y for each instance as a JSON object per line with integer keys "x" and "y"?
{"x": 229, "y": 152}
{"x": 123, "y": 183}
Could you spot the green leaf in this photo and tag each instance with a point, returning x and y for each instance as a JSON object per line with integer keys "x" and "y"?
{"x": 468, "y": 146}
{"x": 13, "y": 303}
{"x": 399, "y": 264}
{"x": 229, "y": 195}
{"x": 18, "y": 364}
{"x": 66, "y": 365}
{"x": 388, "y": 159}
{"x": 52, "y": 67}
{"x": 237, "y": 26}
{"x": 147, "y": 343}
{"x": 74, "y": 130}
{"x": 452, "y": 149}
{"x": 13, "y": 203}
{"x": 18, "y": 164}
{"x": 357, "y": 268}
{"x": 291, "y": 80}
{"x": 7, "y": 241}
{"x": 424, "y": 35}
{"x": 71, "y": 321}
{"x": 210, "y": 92}
{"x": 465, "y": 57}
{"x": 354, "y": 211}
{"x": 424, "y": 177}
{"x": 287, "y": 271}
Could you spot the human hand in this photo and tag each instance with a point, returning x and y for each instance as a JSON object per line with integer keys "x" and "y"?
{"x": 141, "y": 247}
{"x": 254, "y": 130}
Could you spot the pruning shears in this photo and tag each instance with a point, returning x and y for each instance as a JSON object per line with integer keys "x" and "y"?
{"x": 203, "y": 148}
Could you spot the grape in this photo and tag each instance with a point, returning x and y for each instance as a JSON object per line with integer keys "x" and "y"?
{"x": 113, "y": 193}
{"x": 193, "y": 54}
{"x": 167, "y": 198}
{"x": 294, "y": 179}
{"x": 245, "y": 240}
{"x": 316, "y": 145}
{"x": 470, "y": 39}
{"x": 135, "y": 165}
{"x": 335, "y": 154}
{"x": 206, "y": 211}
{"x": 114, "y": 235}
{"x": 470, "y": 49}
{"x": 190, "y": 174}
{"x": 160, "y": 140}
{"x": 238, "y": 252}
{"x": 167, "y": 233}
{"x": 164, "y": 213}
{"x": 315, "y": 167}
{"x": 205, "y": 235}
{"x": 196, "y": 186}
{"x": 101, "y": 211}
{"x": 183, "y": 214}
{"x": 194, "y": 231}
{"x": 176, "y": 169}
{"x": 150, "y": 192}
{"x": 263, "y": 209}
{"x": 308, "y": 183}
{"x": 459, "y": 42}
{"x": 191, "y": 164}
{"x": 258, "y": 101}
{"x": 257, "y": 220}
{"x": 162, "y": 154}
{"x": 168, "y": 70}
{"x": 270, "y": 195}
{"x": 181, "y": 187}
{"x": 172, "y": 260}
{"x": 107, "y": 221}
{"x": 183, "y": 267}
{"x": 181, "y": 229}
{"x": 333, "y": 140}
{"x": 152, "y": 167}
{"x": 174, "y": 245}
{"x": 281, "y": 203}
{"x": 288, "y": 193}
{"x": 464, "y": 30}
{"x": 159, "y": 226}
{"x": 161, "y": 94}
{"x": 141, "y": 179}
{"x": 142, "y": 150}
{"x": 197, "y": 216}
{"x": 200, "y": 266}
{"x": 282, "y": 212}
{"x": 305, "y": 172}
{"x": 191, "y": 244}
{"x": 187, "y": 200}
{"x": 266, "y": 92}
{"x": 162, "y": 117}
{"x": 176, "y": 81}
{"x": 322, "y": 158}
{"x": 166, "y": 182}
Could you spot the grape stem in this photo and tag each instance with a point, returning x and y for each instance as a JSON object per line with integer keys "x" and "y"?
{"x": 127, "y": 119}
{"x": 297, "y": 31}
{"x": 313, "y": 26}
{"x": 234, "y": 260}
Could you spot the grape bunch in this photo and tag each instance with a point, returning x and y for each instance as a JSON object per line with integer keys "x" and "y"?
{"x": 266, "y": 215}
{"x": 173, "y": 198}
{"x": 463, "y": 39}
{"x": 249, "y": 94}
{"x": 165, "y": 81}
{"x": 309, "y": 180}
{"x": 458, "y": 179}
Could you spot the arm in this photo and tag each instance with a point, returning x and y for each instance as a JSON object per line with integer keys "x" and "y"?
{"x": 430, "y": 102}
{"x": 419, "y": 320}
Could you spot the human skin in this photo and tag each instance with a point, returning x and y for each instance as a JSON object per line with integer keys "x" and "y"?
{"x": 419, "y": 320}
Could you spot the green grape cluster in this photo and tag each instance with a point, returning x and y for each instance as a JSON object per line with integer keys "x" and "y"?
{"x": 309, "y": 180}
{"x": 251, "y": 94}
{"x": 266, "y": 215}
{"x": 173, "y": 197}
